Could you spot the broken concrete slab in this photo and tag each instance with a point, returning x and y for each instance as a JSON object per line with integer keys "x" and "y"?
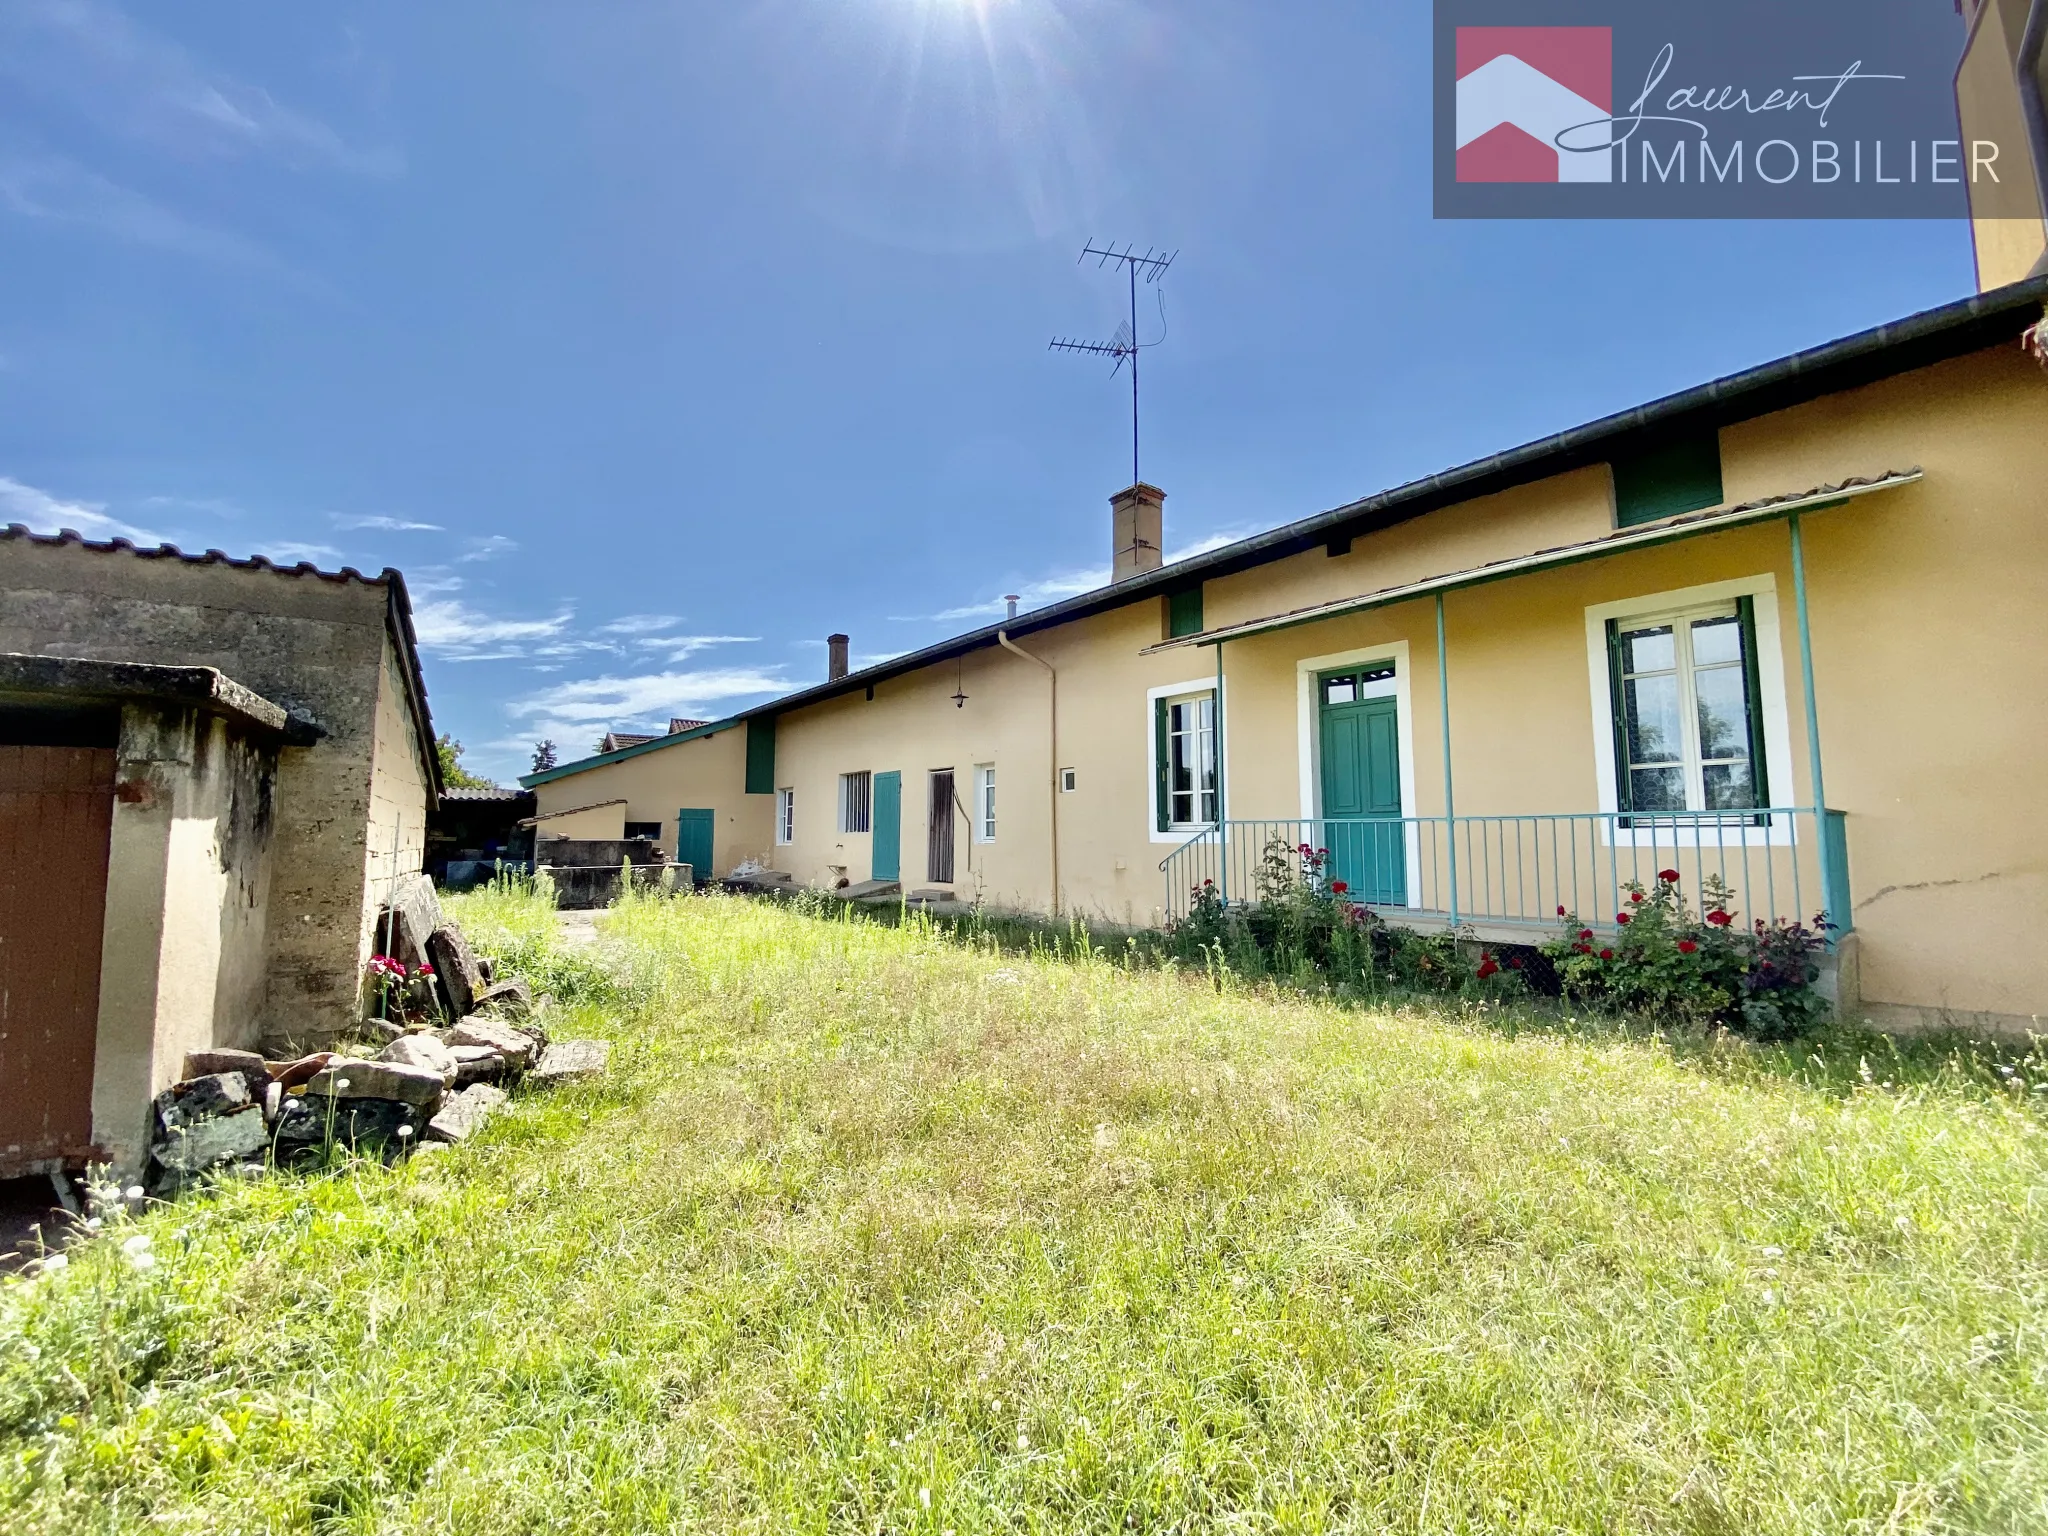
{"x": 190, "y": 1147}
{"x": 413, "y": 915}
{"x": 568, "y": 1061}
{"x": 210, "y": 1063}
{"x": 463, "y": 1114}
{"x": 476, "y": 1064}
{"x": 422, "y": 1050}
{"x": 509, "y": 1041}
{"x": 456, "y": 965}
{"x": 203, "y": 1098}
{"x": 342, "y": 1078}
{"x": 869, "y": 890}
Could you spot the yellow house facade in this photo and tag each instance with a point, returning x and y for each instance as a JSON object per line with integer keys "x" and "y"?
{"x": 1783, "y": 631}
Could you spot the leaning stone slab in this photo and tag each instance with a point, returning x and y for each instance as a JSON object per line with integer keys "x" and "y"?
{"x": 203, "y": 1143}
{"x": 367, "y": 1124}
{"x": 464, "y": 1113}
{"x": 476, "y": 1064}
{"x": 456, "y": 966}
{"x": 290, "y": 1074}
{"x": 344, "y": 1079}
{"x": 515, "y": 1045}
{"x": 422, "y": 1051}
{"x": 568, "y": 1061}
{"x": 210, "y": 1063}
{"x": 512, "y": 999}
{"x": 203, "y": 1098}
{"x": 414, "y": 914}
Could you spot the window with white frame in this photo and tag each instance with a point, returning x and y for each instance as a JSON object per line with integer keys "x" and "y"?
{"x": 856, "y": 793}
{"x": 785, "y": 817}
{"x": 1688, "y": 730}
{"x": 1184, "y": 767}
{"x": 984, "y": 802}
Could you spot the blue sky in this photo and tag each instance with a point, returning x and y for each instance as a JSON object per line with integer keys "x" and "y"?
{"x": 655, "y": 341}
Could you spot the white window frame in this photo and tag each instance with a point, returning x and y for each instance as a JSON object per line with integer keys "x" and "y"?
{"x": 1398, "y": 687}
{"x": 984, "y": 802}
{"x": 1762, "y": 590}
{"x": 1175, "y": 691}
{"x": 845, "y": 802}
{"x": 785, "y": 817}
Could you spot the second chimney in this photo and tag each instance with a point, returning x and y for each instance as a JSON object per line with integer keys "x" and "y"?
{"x": 1137, "y": 531}
{"x": 835, "y": 653}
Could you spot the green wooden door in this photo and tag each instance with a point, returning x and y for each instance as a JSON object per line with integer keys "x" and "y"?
{"x": 1361, "y": 761}
{"x": 693, "y": 842}
{"x": 888, "y": 825}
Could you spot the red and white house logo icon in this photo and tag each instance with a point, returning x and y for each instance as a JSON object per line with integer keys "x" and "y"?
{"x": 1519, "y": 88}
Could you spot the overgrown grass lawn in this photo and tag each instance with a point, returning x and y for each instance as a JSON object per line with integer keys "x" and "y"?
{"x": 872, "y": 1231}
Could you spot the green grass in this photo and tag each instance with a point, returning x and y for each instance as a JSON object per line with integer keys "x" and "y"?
{"x": 872, "y": 1230}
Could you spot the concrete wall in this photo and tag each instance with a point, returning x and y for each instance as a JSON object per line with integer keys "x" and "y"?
{"x": 188, "y": 905}
{"x": 396, "y": 832}
{"x": 703, "y": 773}
{"x": 318, "y": 647}
{"x": 1929, "y": 610}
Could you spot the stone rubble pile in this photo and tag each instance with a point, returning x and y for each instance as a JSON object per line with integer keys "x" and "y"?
{"x": 235, "y": 1112}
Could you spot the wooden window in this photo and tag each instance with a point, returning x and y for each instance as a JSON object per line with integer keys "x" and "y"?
{"x": 1185, "y": 765}
{"x": 938, "y": 845}
{"x": 984, "y": 802}
{"x": 785, "y": 817}
{"x": 856, "y": 794}
{"x": 1675, "y": 476}
{"x": 760, "y": 754}
{"x": 1184, "y": 613}
{"x": 1688, "y": 731}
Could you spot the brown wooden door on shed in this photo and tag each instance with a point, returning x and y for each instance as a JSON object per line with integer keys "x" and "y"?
{"x": 56, "y": 815}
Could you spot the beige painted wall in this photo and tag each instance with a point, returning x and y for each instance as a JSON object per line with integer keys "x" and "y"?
{"x": 1929, "y": 609}
{"x": 703, "y": 773}
{"x": 602, "y": 823}
{"x": 188, "y": 899}
{"x": 395, "y": 832}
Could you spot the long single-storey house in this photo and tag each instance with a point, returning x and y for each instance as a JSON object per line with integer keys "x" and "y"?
{"x": 1781, "y": 629}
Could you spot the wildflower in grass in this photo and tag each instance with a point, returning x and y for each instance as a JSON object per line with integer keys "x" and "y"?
{"x": 55, "y": 1261}
{"x": 1023, "y": 1441}
{"x": 1687, "y": 946}
{"x": 139, "y": 1243}
{"x": 132, "y": 1193}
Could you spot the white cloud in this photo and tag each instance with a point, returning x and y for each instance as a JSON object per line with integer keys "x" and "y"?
{"x": 568, "y": 711}
{"x": 289, "y": 553}
{"x": 460, "y": 633}
{"x": 1030, "y": 594}
{"x": 385, "y": 524}
{"x": 126, "y": 79}
{"x": 683, "y": 647}
{"x": 51, "y": 187}
{"x": 640, "y": 624}
{"x": 45, "y": 513}
{"x": 489, "y": 547}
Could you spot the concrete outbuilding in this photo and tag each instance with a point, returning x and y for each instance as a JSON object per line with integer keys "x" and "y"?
{"x": 212, "y": 773}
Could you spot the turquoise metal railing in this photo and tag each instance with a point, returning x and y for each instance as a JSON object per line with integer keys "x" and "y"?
{"x": 1785, "y": 862}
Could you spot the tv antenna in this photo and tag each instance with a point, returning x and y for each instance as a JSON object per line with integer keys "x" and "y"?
{"x": 1124, "y": 345}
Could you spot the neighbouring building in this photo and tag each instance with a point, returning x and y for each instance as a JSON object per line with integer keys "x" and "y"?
{"x": 2001, "y": 85}
{"x": 212, "y": 772}
{"x": 1781, "y": 629}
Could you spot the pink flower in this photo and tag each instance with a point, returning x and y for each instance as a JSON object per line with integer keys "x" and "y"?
{"x": 1686, "y": 946}
{"x": 1305, "y": 850}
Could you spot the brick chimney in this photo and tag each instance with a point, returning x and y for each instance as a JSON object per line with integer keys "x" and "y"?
{"x": 1137, "y": 531}
{"x": 835, "y": 651}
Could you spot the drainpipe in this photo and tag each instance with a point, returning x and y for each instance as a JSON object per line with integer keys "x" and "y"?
{"x": 1824, "y": 855}
{"x": 1222, "y": 815}
{"x": 1052, "y": 776}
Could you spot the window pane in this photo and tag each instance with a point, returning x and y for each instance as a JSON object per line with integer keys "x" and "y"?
{"x": 1657, "y": 789}
{"x": 1724, "y": 712}
{"x": 1379, "y": 671}
{"x": 1648, "y": 650}
{"x": 1729, "y": 787}
{"x": 1716, "y": 640}
{"x": 1653, "y": 734}
{"x": 1339, "y": 690}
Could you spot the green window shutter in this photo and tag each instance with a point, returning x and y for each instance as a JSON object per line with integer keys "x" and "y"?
{"x": 1184, "y": 613}
{"x": 1162, "y": 804}
{"x": 761, "y": 755}
{"x": 1624, "y": 795}
{"x": 1681, "y": 475}
{"x": 1759, "y": 777}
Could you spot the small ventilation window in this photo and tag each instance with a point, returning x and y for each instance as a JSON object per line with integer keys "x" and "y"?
{"x": 1184, "y": 613}
{"x": 643, "y": 831}
{"x": 1674, "y": 476}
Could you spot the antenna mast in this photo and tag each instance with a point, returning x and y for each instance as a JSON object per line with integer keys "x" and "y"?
{"x": 1124, "y": 345}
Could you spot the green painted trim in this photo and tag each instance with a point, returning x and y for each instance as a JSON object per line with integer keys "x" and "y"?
{"x": 606, "y": 759}
{"x": 1443, "y": 693}
{"x": 1752, "y": 682}
{"x": 1673, "y": 477}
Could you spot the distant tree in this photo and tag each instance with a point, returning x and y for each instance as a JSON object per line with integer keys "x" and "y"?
{"x": 543, "y": 756}
{"x": 453, "y": 774}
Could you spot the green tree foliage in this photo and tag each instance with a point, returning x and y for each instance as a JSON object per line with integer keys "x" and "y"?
{"x": 453, "y": 774}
